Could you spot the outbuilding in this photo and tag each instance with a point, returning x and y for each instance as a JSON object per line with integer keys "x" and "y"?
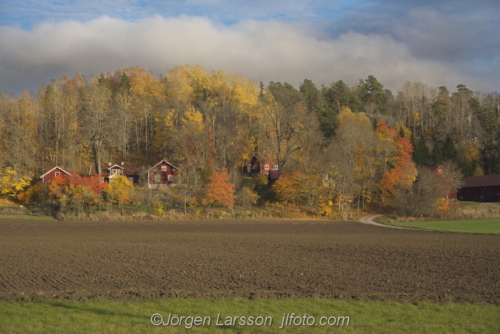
{"x": 480, "y": 189}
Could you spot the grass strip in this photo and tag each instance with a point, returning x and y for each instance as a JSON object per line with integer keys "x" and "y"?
{"x": 104, "y": 316}
{"x": 491, "y": 225}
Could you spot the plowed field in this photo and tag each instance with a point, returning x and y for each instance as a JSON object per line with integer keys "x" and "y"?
{"x": 244, "y": 259}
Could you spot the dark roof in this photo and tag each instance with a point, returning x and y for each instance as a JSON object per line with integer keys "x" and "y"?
{"x": 131, "y": 169}
{"x": 433, "y": 168}
{"x": 482, "y": 181}
{"x": 128, "y": 170}
{"x": 165, "y": 161}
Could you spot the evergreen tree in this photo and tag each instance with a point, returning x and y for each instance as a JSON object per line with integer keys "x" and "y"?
{"x": 124, "y": 86}
{"x": 421, "y": 152}
{"x": 437, "y": 154}
{"x": 402, "y": 132}
{"x": 373, "y": 94}
{"x": 312, "y": 96}
{"x": 449, "y": 150}
{"x": 466, "y": 167}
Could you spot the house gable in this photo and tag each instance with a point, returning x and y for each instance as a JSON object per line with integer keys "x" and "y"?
{"x": 116, "y": 170}
{"x": 132, "y": 172}
{"x": 163, "y": 173}
{"x": 55, "y": 172}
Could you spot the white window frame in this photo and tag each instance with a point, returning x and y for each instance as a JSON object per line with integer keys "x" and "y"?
{"x": 163, "y": 168}
{"x": 170, "y": 178}
{"x": 157, "y": 178}
{"x": 57, "y": 174}
{"x": 266, "y": 166}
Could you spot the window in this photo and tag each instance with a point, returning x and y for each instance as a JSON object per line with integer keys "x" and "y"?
{"x": 102, "y": 180}
{"x": 131, "y": 179}
{"x": 266, "y": 166}
{"x": 57, "y": 173}
{"x": 157, "y": 178}
{"x": 275, "y": 167}
{"x": 170, "y": 178}
{"x": 163, "y": 168}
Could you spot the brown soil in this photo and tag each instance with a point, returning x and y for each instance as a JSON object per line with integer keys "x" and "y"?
{"x": 244, "y": 259}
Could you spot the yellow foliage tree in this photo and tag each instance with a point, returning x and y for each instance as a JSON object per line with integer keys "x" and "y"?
{"x": 11, "y": 183}
{"x": 119, "y": 190}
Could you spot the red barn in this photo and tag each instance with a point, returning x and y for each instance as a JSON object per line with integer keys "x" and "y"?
{"x": 57, "y": 171}
{"x": 162, "y": 174}
{"x": 480, "y": 189}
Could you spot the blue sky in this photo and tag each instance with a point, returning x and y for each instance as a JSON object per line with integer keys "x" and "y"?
{"x": 444, "y": 42}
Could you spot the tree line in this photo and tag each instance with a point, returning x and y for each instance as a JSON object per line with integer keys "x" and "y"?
{"x": 338, "y": 146}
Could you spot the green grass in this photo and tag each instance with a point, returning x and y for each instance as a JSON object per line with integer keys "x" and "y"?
{"x": 468, "y": 225}
{"x": 26, "y": 217}
{"x": 103, "y": 316}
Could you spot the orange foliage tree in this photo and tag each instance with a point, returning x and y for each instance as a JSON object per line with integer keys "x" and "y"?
{"x": 291, "y": 187}
{"x": 219, "y": 190}
{"x": 77, "y": 193}
{"x": 403, "y": 173}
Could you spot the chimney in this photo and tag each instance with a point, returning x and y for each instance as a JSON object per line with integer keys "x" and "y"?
{"x": 109, "y": 163}
{"x": 123, "y": 163}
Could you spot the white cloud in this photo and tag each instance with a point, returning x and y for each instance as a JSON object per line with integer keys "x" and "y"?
{"x": 261, "y": 51}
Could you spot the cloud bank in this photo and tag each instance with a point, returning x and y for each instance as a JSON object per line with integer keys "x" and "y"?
{"x": 260, "y": 50}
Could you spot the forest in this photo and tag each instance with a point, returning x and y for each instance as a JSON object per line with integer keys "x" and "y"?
{"x": 338, "y": 147}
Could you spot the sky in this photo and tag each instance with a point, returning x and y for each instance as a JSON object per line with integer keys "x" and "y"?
{"x": 435, "y": 42}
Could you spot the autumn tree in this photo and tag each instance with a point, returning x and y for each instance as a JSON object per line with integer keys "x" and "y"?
{"x": 33, "y": 194}
{"x": 18, "y": 128}
{"x": 282, "y": 121}
{"x": 247, "y": 197}
{"x": 11, "y": 183}
{"x": 291, "y": 187}
{"x": 349, "y": 159}
{"x": 191, "y": 145}
{"x": 77, "y": 193}
{"x": 97, "y": 123}
{"x": 147, "y": 117}
{"x": 421, "y": 197}
{"x": 219, "y": 190}
{"x": 119, "y": 190}
{"x": 403, "y": 173}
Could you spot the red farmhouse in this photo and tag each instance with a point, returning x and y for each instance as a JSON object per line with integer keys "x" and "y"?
{"x": 57, "y": 171}
{"x": 162, "y": 174}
